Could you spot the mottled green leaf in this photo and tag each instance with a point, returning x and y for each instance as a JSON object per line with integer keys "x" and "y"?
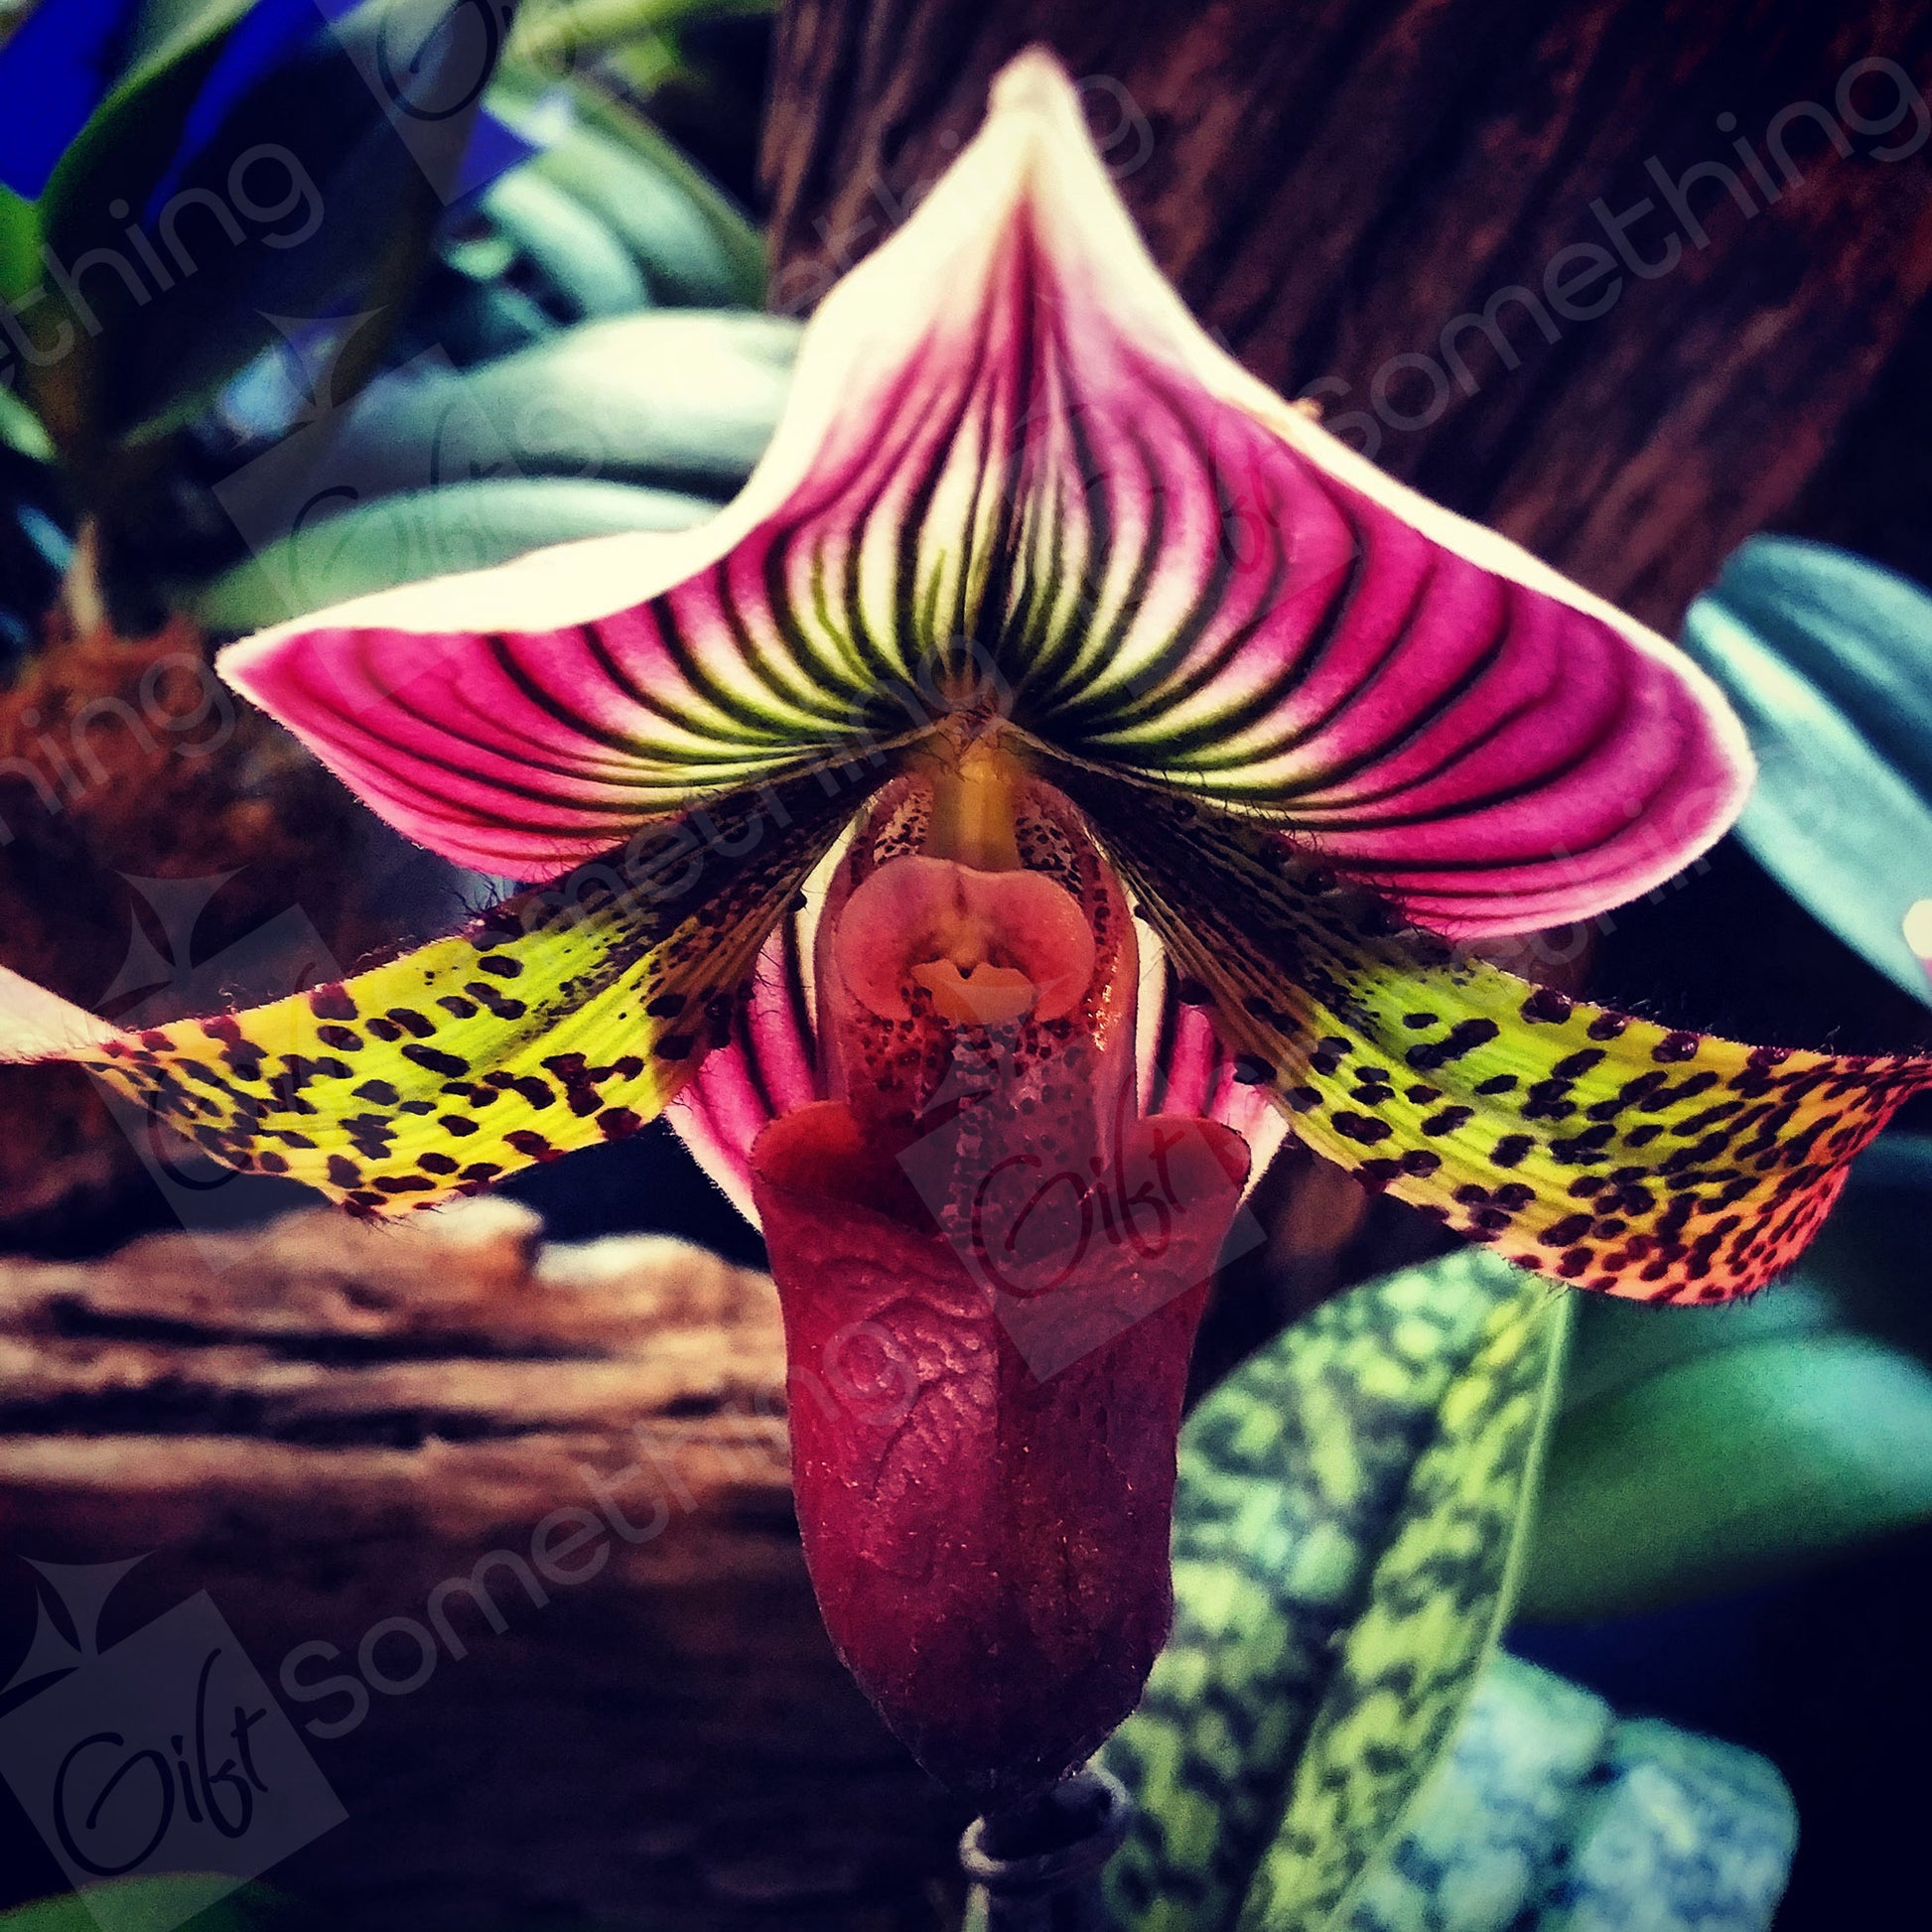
{"x": 1827, "y": 659}
{"x": 1348, "y": 1518}
{"x": 1547, "y": 1813}
{"x": 428, "y": 533}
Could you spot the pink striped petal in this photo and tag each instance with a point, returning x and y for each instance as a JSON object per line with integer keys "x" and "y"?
{"x": 1218, "y": 595}
{"x": 766, "y": 1066}
{"x": 1184, "y": 1068}
{"x": 1013, "y": 470}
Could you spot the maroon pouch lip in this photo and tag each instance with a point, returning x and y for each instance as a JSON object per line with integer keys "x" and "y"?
{"x": 990, "y": 1547}
{"x": 820, "y": 1150}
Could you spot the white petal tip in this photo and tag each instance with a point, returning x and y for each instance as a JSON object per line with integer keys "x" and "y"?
{"x": 1918, "y": 929}
{"x": 1032, "y": 81}
{"x": 36, "y": 1024}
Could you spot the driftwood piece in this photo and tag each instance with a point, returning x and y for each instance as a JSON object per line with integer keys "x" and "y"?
{"x": 324, "y": 1426}
{"x": 1332, "y": 184}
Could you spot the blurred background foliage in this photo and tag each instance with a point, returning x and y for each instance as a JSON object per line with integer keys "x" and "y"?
{"x": 455, "y": 241}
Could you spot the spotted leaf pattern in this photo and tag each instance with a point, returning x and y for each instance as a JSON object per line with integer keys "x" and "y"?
{"x": 1349, "y": 1507}
{"x": 1612, "y": 1153}
{"x": 1550, "y": 1814}
{"x": 561, "y": 1018}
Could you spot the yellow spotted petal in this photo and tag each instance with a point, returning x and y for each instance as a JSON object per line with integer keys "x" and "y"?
{"x": 1604, "y": 1150}
{"x": 565, "y": 1015}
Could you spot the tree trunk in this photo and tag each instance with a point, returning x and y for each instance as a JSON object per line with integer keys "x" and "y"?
{"x": 329, "y": 1428}
{"x": 1341, "y": 189}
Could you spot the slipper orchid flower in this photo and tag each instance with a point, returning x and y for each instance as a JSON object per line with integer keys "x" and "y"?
{"x": 1173, "y": 749}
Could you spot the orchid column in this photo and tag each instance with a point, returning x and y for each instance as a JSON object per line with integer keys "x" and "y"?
{"x": 1047, "y": 668}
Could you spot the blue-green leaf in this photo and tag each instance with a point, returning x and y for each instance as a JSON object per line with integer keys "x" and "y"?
{"x": 1736, "y": 1453}
{"x": 1550, "y": 1816}
{"x": 428, "y": 533}
{"x": 695, "y": 247}
{"x": 1827, "y": 659}
{"x": 677, "y": 399}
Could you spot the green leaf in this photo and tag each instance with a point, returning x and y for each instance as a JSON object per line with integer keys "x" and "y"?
{"x": 1546, "y": 1814}
{"x": 1869, "y": 1255}
{"x": 20, "y": 428}
{"x": 116, "y": 159}
{"x": 569, "y": 31}
{"x": 1719, "y": 1469}
{"x": 20, "y": 246}
{"x": 695, "y": 247}
{"x": 1827, "y": 659}
{"x": 428, "y": 533}
{"x": 566, "y": 244}
{"x": 677, "y": 399}
{"x": 192, "y": 1901}
{"x": 1348, "y": 1520}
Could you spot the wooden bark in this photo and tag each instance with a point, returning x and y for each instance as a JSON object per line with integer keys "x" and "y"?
{"x": 319, "y": 1423}
{"x": 1332, "y": 183}
{"x": 165, "y": 849}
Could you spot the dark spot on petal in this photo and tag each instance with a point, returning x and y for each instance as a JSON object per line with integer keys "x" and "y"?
{"x": 436, "y": 1060}
{"x": 1464, "y": 1037}
{"x": 331, "y": 1002}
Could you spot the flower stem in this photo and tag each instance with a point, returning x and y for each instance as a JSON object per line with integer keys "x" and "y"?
{"x": 1035, "y": 1867}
